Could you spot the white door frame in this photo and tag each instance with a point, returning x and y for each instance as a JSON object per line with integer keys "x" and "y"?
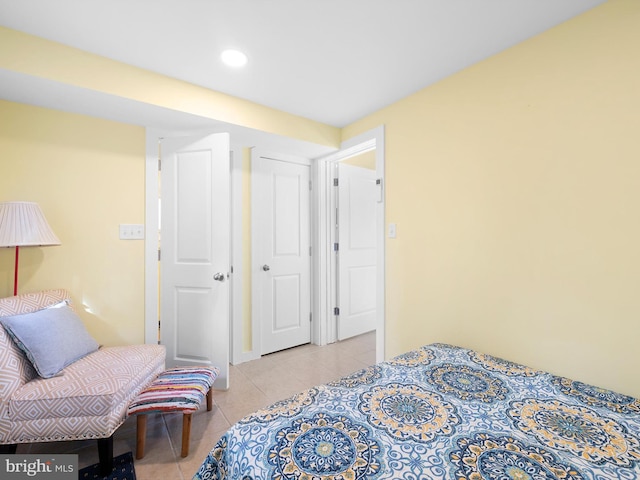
{"x": 151, "y": 277}
{"x": 325, "y": 331}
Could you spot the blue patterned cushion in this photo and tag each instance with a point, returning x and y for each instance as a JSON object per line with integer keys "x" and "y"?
{"x": 51, "y": 338}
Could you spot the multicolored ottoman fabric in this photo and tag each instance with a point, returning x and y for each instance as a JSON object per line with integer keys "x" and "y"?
{"x": 176, "y": 389}
{"x": 179, "y": 389}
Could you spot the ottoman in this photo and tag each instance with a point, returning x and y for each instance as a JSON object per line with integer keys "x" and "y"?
{"x": 179, "y": 389}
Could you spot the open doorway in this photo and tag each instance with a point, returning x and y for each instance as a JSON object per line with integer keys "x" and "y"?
{"x": 368, "y": 304}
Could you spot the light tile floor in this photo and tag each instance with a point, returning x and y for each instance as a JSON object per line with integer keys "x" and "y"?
{"x": 253, "y": 385}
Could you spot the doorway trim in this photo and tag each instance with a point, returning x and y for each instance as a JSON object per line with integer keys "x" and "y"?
{"x": 325, "y": 330}
{"x": 151, "y": 276}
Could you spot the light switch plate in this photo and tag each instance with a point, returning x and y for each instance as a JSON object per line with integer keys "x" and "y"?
{"x": 392, "y": 230}
{"x": 131, "y": 231}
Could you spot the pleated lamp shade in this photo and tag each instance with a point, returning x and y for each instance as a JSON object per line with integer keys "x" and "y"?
{"x": 22, "y": 224}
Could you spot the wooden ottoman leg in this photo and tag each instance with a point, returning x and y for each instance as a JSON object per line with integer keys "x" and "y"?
{"x": 186, "y": 433}
{"x": 141, "y": 435}
{"x": 209, "y": 399}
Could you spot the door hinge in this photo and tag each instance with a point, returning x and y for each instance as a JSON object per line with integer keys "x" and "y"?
{"x": 159, "y": 164}
{"x": 310, "y": 251}
{"x": 310, "y": 185}
{"x": 335, "y": 182}
{"x": 336, "y": 247}
{"x": 336, "y": 310}
{"x": 159, "y": 255}
{"x": 310, "y": 317}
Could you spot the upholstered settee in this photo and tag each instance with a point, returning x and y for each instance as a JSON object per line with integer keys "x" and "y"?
{"x": 87, "y": 399}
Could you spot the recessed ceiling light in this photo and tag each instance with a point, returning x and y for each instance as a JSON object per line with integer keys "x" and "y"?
{"x": 234, "y": 58}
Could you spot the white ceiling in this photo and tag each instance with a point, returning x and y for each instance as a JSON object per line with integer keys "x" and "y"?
{"x": 333, "y": 61}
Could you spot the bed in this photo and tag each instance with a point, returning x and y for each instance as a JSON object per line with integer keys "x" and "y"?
{"x": 437, "y": 412}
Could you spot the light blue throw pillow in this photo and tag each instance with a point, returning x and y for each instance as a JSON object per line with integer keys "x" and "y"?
{"x": 51, "y": 338}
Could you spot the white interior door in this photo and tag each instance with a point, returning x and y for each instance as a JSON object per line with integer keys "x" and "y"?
{"x": 281, "y": 258}
{"x": 357, "y": 239}
{"x": 195, "y": 233}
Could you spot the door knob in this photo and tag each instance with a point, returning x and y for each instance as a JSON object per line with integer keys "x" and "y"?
{"x": 266, "y": 268}
{"x": 219, "y": 277}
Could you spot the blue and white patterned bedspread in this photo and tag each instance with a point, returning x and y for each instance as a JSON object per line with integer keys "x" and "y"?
{"x": 438, "y": 412}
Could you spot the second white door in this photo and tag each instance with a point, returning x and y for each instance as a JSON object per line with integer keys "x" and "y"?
{"x": 357, "y": 252}
{"x": 282, "y": 250}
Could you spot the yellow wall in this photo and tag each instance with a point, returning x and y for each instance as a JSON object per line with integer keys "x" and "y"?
{"x": 515, "y": 185}
{"x": 87, "y": 175}
{"x": 363, "y": 160}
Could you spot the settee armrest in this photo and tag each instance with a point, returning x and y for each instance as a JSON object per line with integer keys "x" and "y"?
{"x": 15, "y": 368}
